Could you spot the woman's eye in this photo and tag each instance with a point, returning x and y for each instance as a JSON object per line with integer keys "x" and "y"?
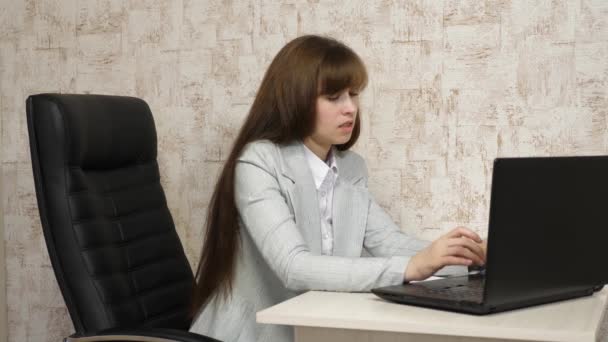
{"x": 336, "y": 97}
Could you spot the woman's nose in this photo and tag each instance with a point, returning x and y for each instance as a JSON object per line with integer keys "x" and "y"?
{"x": 350, "y": 106}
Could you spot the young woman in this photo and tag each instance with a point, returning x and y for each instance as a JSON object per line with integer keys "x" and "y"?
{"x": 291, "y": 211}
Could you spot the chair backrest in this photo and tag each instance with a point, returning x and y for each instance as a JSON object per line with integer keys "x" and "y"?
{"x": 110, "y": 236}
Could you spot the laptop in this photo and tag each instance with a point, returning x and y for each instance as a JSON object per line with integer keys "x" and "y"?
{"x": 547, "y": 237}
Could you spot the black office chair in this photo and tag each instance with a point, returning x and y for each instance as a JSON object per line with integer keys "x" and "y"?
{"x": 111, "y": 239}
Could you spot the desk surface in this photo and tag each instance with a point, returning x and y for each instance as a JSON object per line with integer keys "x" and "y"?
{"x": 571, "y": 320}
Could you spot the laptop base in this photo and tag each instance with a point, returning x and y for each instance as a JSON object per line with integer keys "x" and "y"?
{"x": 408, "y": 294}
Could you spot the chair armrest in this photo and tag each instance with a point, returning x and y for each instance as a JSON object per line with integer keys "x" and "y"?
{"x": 142, "y": 335}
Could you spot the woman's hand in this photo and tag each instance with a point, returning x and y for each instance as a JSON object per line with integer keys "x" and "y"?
{"x": 460, "y": 246}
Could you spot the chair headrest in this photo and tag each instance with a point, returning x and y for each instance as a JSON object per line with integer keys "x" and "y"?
{"x": 93, "y": 139}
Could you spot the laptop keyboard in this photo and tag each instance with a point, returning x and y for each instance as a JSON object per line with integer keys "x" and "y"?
{"x": 459, "y": 289}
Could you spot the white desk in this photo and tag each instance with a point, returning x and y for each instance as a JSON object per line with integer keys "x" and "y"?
{"x": 359, "y": 317}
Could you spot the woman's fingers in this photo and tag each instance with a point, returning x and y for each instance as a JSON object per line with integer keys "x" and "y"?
{"x": 453, "y": 260}
{"x": 462, "y": 231}
{"x": 460, "y": 246}
{"x": 476, "y": 248}
{"x": 464, "y": 252}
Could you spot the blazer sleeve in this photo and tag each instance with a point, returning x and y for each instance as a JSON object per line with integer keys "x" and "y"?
{"x": 266, "y": 216}
{"x": 384, "y": 238}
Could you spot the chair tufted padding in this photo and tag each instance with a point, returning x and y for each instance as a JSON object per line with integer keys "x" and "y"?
{"x": 110, "y": 236}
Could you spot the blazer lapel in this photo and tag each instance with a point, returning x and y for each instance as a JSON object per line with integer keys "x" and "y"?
{"x": 350, "y": 206}
{"x": 303, "y": 195}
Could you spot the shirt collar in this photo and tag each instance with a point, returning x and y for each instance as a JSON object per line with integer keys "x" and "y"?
{"x": 320, "y": 168}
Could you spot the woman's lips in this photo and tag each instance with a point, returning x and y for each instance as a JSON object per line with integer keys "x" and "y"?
{"x": 346, "y": 127}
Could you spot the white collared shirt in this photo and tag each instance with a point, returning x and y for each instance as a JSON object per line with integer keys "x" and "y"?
{"x": 325, "y": 175}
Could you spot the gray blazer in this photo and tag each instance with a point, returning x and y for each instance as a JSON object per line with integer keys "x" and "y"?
{"x": 280, "y": 252}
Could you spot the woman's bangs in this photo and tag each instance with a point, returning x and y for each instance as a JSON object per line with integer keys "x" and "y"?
{"x": 341, "y": 69}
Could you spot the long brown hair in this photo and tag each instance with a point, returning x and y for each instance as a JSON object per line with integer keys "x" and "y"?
{"x": 283, "y": 111}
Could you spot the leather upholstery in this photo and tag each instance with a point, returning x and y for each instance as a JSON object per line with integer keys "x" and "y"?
{"x": 109, "y": 233}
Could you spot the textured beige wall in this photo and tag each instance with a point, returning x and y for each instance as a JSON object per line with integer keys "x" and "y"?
{"x": 453, "y": 84}
{"x": 3, "y": 321}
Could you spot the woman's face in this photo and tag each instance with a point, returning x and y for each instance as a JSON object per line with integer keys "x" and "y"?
{"x": 335, "y": 119}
